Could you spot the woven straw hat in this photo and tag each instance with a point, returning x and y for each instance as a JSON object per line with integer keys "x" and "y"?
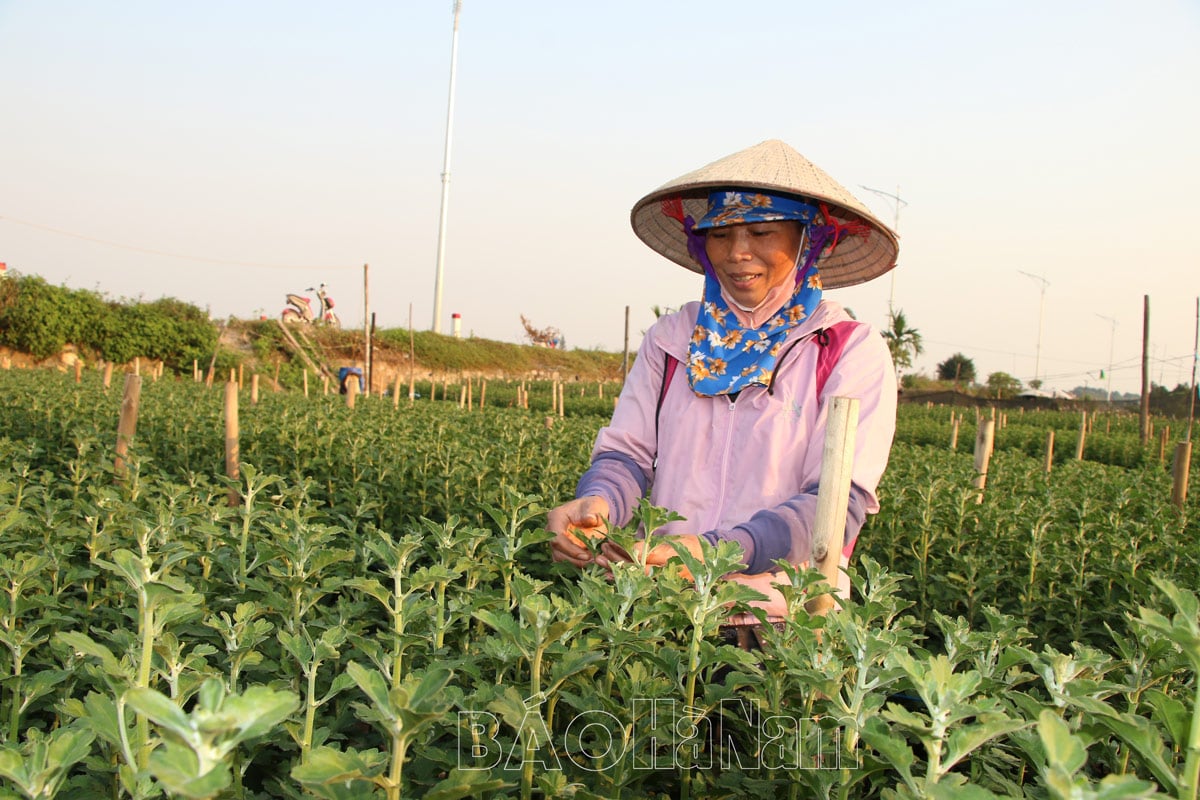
{"x": 775, "y": 167}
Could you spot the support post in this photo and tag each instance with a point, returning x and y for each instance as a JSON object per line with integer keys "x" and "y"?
{"x": 127, "y": 423}
{"x": 1179, "y": 473}
{"x": 985, "y": 438}
{"x": 232, "y": 453}
{"x": 833, "y": 497}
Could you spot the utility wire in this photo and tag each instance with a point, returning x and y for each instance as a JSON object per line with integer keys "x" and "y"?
{"x": 167, "y": 254}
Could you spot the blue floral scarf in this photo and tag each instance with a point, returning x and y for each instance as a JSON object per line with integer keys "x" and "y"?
{"x": 725, "y": 357}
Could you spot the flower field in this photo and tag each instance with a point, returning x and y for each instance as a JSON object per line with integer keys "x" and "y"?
{"x": 376, "y": 616}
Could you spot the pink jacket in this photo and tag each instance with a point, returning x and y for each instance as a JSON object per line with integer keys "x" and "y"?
{"x": 746, "y": 470}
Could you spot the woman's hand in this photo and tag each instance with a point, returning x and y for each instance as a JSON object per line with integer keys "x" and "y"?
{"x": 574, "y": 523}
{"x": 658, "y": 555}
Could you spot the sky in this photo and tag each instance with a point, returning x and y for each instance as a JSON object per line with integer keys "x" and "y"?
{"x": 1043, "y": 152}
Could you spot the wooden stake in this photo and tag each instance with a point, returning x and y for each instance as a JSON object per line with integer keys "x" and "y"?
{"x": 833, "y": 497}
{"x": 1082, "y": 437}
{"x": 306, "y": 381}
{"x": 482, "y": 394}
{"x": 1179, "y": 473}
{"x": 78, "y": 371}
{"x": 232, "y": 455}
{"x": 351, "y": 390}
{"x": 127, "y": 423}
{"x": 107, "y": 375}
{"x": 254, "y": 389}
{"x": 984, "y": 439}
{"x": 1049, "y": 451}
{"x": 396, "y": 391}
{"x": 954, "y": 432}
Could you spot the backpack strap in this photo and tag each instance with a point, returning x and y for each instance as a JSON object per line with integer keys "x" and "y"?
{"x": 833, "y": 341}
{"x": 668, "y": 373}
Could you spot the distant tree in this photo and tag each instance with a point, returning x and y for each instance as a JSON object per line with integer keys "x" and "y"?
{"x": 957, "y": 368}
{"x": 1003, "y": 385}
{"x": 542, "y": 337}
{"x": 904, "y": 343}
{"x": 1036, "y": 383}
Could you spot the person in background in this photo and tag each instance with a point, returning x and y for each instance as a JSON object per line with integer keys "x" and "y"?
{"x": 722, "y": 416}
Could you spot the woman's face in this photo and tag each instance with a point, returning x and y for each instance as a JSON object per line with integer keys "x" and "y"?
{"x": 753, "y": 258}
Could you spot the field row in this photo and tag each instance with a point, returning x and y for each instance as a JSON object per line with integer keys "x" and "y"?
{"x": 376, "y": 616}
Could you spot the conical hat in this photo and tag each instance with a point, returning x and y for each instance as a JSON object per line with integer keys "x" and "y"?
{"x": 772, "y": 166}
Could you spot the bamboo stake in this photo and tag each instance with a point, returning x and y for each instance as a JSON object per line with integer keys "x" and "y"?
{"x": 954, "y": 419}
{"x": 396, "y": 391}
{"x": 127, "y": 423}
{"x": 254, "y": 389}
{"x": 78, "y": 371}
{"x": 107, "y": 375}
{"x": 984, "y": 440}
{"x": 1049, "y": 451}
{"x": 351, "y": 390}
{"x": 232, "y": 455}
{"x": 482, "y": 394}
{"x": 241, "y": 379}
{"x": 1162, "y": 444}
{"x": 1082, "y": 437}
{"x": 833, "y": 497}
{"x": 306, "y": 381}
{"x": 1179, "y": 473}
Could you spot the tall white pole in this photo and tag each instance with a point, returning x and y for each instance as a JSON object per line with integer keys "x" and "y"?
{"x": 1111, "y": 340}
{"x": 897, "y": 203}
{"x": 441, "y": 246}
{"x": 1037, "y": 359}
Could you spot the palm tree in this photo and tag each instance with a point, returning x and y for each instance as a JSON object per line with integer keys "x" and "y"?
{"x": 904, "y": 343}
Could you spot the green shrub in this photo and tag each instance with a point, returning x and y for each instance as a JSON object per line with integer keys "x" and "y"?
{"x": 41, "y": 319}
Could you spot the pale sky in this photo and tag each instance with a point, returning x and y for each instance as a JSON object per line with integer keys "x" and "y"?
{"x": 226, "y": 153}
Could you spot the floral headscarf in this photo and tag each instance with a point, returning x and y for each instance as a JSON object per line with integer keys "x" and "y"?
{"x": 725, "y": 356}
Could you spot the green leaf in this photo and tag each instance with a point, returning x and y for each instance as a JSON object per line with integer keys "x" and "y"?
{"x": 1144, "y": 739}
{"x": 177, "y": 768}
{"x": 1063, "y": 749}
{"x": 465, "y": 783}
{"x": 891, "y": 748}
{"x": 327, "y": 765}
{"x": 162, "y": 710}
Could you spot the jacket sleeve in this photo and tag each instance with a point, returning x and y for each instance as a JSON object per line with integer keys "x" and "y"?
{"x": 865, "y": 372}
{"x": 624, "y": 453}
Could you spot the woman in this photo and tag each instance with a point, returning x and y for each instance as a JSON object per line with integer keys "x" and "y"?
{"x": 732, "y": 440}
